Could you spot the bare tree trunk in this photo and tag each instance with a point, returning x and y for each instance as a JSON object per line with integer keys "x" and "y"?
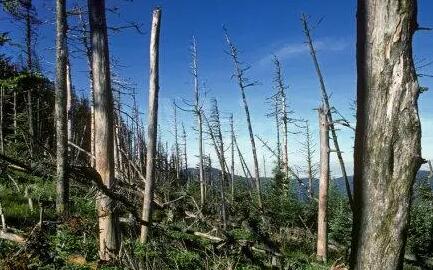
{"x": 28, "y": 28}
{"x": 15, "y": 116}
{"x": 309, "y": 156}
{"x": 327, "y": 107}
{"x": 217, "y": 139}
{"x": 198, "y": 112}
{"x": 176, "y": 143}
{"x": 69, "y": 100}
{"x": 85, "y": 39}
{"x": 185, "y": 153}
{"x": 322, "y": 218}
{"x": 388, "y": 132}
{"x": 242, "y": 83}
{"x": 232, "y": 167}
{"x": 2, "y": 146}
{"x": 60, "y": 109}
{"x": 104, "y": 151}
{"x": 152, "y": 122}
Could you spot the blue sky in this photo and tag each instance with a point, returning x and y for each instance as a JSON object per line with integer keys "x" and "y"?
{"x": 259, "y": 29}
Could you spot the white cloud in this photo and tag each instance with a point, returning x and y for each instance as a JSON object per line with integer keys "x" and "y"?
{"x": 294, "y": 49}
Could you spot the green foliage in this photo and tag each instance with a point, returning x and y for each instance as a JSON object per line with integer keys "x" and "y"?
{"x": 420, "y": 233}
{"x": 340, "y": 217}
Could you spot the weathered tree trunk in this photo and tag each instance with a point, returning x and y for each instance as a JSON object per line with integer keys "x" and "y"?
{"x": 28, "y": 28}
{"x": 387, "y": 142}
{"x": 185, "y": 156}
{"x": 283, "y": 113}
{"x": 327, "y": 107}
{"x": 322, "y": 218}
{"x": 176, "y": 143}
{"x": 60, "y": 109}
{"x": 69, "y": 96}
{"x": 217, "y": 139}
{"x": 242, "y": 83}
{"x": 198, "y": 113}
{"x": 15, "y": 115}
{"x": 104, "y": 151}
{"x": 309, "y": 158}
{"x": 232, "y": 167}
{"x": 2, "y": 147}
{"x": 152, "y": 122}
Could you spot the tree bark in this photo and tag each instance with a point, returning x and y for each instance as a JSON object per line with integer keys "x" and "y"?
{"x": 103, "y": 132}
{"x": 152, "y": 122}
{"x": 322, "y": 218}
{"x": 388, "y": 132}
{"x": 60, "y": 109}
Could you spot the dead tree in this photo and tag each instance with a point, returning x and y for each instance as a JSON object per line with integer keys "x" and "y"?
{"x": 152, "y": 122}
{"x": 322, "y": 218}
{"x": 185, "y": 154}
{"x": 69, "y": 97}
{"x": 217, "y": 139}
{"x": 198, "y": 111}
{"x": 327, "y": 107}
{"x": 388, "y": 132}
{"x": 283, "y": 114}
{"x": 2, "y": 146}
{"x": 308, "y": 151}
{"x": 176, "y": 143}
{"x": 62, "y": 186}
{"x": 232, "y": 167}
{"x": 104, "y": 150}
{"x": 243, "y": 84}
{"x": 275, "y": 113}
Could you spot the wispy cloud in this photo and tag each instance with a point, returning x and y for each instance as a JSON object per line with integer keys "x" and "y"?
{"x": 295, "y": 49}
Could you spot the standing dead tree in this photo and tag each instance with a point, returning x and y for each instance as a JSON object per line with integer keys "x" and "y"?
{"x": 198, "y": 111}
{"x": 283, "y": 113}
{"x": 243, "y": 84}
{"x": 327, "y": 107}
{"x": 388, "y": 132}
{"x": 214, "y": 131}
{"x": 176, "y": 143}
{"x": 308, "y": 151}
{"x": 104, "y": 151}
{"x": 232, "y": 167}
{"x": 322, "y": 217}
{"x": 185, "y": 154}
{"x": 62, "y": 186}
{"x": 152, "y": 123}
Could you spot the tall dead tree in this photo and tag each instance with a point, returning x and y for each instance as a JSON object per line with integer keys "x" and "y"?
{"x": 327, "y": 107}
{"x": 388, "y": 132}
{"x": 2, "y": 146}
{"x": 282, "y": 113}
{"x": 69, "y": 96}
{"x": 243, "y": 84}
{"x": 217, "y": 139}
{"x": 62, "y": 186}
{"x": 185, "y": 154}
{"x": 198, "y": 111}
{"x": 308, "y": 151}
{"x": 152, "y": 122}
{"x": 232, "y": 167}
{"x": 176, "y": 142}
{"x": 322, "y": 218}
{"x": 104, "y": 150}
